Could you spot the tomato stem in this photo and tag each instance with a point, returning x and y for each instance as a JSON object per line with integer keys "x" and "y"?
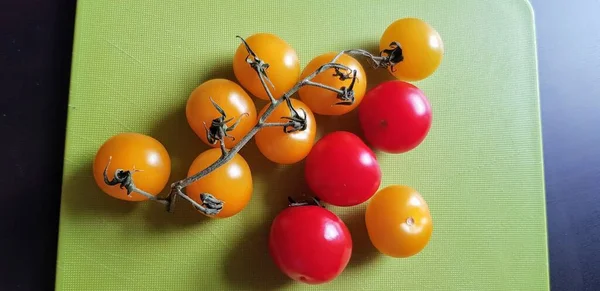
{"x": 311, "y": 83}
{"x": 274, "y": 124}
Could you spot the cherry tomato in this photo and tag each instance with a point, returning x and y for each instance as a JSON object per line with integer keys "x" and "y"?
{"x": 286, "y": 148}
{"x": 398, "y": 221}
{"x": 341, "y": 170}
{"x": 230, "y": 183}
{"x": 146, "y": 157}
{"x": 230, "y": 97}
{"x": 395, "y": 116}
{"x": 310, "y": 244}
{"x": 422, "y": 48}
{"x": 284, "y": 66}
{"x": 323, "y": 101}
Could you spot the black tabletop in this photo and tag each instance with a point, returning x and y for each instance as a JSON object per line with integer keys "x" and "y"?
{"x": 35, "y": 52}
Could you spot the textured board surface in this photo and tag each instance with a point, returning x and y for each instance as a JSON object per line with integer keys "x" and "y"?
{"x": 480, "y": 169}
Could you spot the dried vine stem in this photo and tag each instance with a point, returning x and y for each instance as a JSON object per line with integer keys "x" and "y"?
{"x": 297, "y": 122}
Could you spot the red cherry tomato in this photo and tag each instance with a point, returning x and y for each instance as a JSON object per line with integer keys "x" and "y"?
{"x": 310, "y": 244}
{"x": 341, "y": 170}
{"x": 395, "y": 116}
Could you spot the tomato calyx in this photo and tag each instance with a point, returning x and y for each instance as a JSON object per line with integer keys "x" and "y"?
{"x": 296, "y": 121}
{"x": 392, "y": 56}
{"x": 218, "y": 130}
{"x": 313, "y": 201}
{"x": 346, "y": 95}
{"x": 124, "y": 178}
{"x": 212, "y": 205}
{"x": 343, "y": 77}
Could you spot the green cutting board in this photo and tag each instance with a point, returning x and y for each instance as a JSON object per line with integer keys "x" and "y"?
{"x": 480, "y": 169}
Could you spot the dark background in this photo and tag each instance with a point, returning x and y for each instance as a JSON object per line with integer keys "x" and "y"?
{"x": 35, "y": 52}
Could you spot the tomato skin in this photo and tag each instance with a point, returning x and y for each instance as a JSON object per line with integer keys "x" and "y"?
{"x": 230, "y": 183}
{"x": 341, "y": 170}
{"x": 322, "y": 101}
{"x": 310, "y": 244}
{"x": 231, "y": 98}
{"x": 284, "y": 66}
{"x": 129, "y": 150}
{"x": 286, "y": 148}
{"x": 395, "y": 116}
{"x": 398, "y": 221}
{"x": 422, "y": 48}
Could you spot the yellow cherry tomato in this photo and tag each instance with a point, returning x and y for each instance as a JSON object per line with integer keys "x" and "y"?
{"x": 286, "y": 148}
{"x": 146, "y": 157}
{"x": 230, "y": 183}
{"x": 284, "y": 66}
{"x": 398, "y": 221}
{"x": 234, "y": 101}
{"x": 323, "y": 101}
{"x": 422, "y": 48}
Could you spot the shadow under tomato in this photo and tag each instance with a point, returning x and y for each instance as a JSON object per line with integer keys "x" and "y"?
{"x": 280, "y": 182}
{"x": 268, "y": 179}
{"x": 249, "y": 265}
{"x": 223, "y": 70}
{"x": 273, "y": 183}
{"x": 184, "y": 215}
{"x": 80, "y": 193}
{"x": 180, "y": 141}
{"x": 347, "y": 122}
{"x": 277, "y": 182}
{"x": 363, "y": 251}
{"x": 260, "y": 167}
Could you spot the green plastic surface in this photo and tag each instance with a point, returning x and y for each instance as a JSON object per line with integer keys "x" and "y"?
{"x": 480, "y": 169}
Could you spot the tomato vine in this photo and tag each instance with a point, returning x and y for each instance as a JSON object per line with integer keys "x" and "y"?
{"x": 218, "y": 129}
